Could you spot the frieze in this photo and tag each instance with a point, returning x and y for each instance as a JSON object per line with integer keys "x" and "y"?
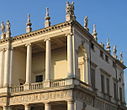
{"x": 41, "y": 97}
{"x": 3, "y": 101}
{"x": 104, "y": 106}
{"x": 84, "y": 97}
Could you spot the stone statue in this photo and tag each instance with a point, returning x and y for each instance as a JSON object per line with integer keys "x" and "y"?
{"x": 8, "y": 29}
{"x": 70, "y": 8}
{"x": 121, "y": 57}
{"x": 8, "y": 26}
{"x": 108, "y": 46}
{"x": 47, "y": 12}
{"x": 86, "y": 22}
{"x": 70, "y": 11}
{"x": 94, "y": 32}
{"x": 2, "y": 27}
{"x": 114, "y": 52}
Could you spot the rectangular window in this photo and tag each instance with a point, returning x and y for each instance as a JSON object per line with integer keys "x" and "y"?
{"x": 120, "y": 92}
{"x": 102, "y": 84}
{"x": 92, "y": 46}
{"x": 39, "y": 78}
{"x": 93, "y": 77}
{"x": 108, "y": 86}
{"x": 113, "y": 63}
{"x": 106, "y": 58}
{"x": 115, "y": 91}
{"x": 101, "y": 54}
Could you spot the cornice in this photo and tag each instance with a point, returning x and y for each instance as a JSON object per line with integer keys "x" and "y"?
{"x": 91, "y": 38}
{"x": 38, "y": 32}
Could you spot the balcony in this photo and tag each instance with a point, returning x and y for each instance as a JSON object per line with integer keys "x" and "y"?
{"x": 48, "y": 85}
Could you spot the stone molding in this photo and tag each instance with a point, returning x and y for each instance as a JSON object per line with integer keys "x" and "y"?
{"x": 41, "y": 97}
{"x": 38, "y": 32}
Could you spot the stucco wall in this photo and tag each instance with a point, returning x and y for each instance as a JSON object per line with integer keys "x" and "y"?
{"x": 18, "y": 67}
{"x": 58, "y": 64}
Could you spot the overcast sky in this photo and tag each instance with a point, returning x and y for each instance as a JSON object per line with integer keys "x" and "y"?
{"x": 110, "y": 16}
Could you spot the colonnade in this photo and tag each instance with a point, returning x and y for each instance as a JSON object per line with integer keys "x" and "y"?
{"x": 6, "y": 62}
{"x": 47, "y": 106}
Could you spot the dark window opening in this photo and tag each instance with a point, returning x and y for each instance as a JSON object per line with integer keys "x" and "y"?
{"x": 108, "y": 86}
{"x": 106, "y": 58}
{"x": 92, "y": 46}
{"x": 39, "y": 78}
{"x": 93, "y": 78}
{"x": 101, "y": 54}
{"x": 102, "y": 84}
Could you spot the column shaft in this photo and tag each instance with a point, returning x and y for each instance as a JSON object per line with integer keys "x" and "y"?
{"x": 6, "y": 67}
{"x": 27, "y": 107}
{"x": 6, "y": 108}
{"x": 1, "y": 67}
{"x": 28, "y": 64}
{"x": 69, "y": 55}
{"x": 70, "y": 105}
{"x": 47, "y": 106}
{"x": 48, "y": 60}
{"x": 11, "y": 64}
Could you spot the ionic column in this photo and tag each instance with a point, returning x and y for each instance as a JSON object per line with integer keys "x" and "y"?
{"x": 27, "y": 107}
{"x": 69, "y": 55}
{"x": 86, "y": 69}
{"x": 11, "y": 64}
{"x": 47, "y": 106}
{"x": 70, "y": 105}
{"x": 48, "y": 60}
{"x": 1, "y": 67}
{"x": 6, "y": 67}
{"x": 28, "y": 63}
{"x": 6, "y": 108}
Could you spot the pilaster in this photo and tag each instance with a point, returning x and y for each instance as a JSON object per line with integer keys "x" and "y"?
{"x": 1, "y": 67}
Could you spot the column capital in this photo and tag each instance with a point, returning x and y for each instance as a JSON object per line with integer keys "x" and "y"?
{"x": 28, "y": 44}
{"x": 27, "y": 104}
{"x": 69, "y": 34}
{"x": 47, "y": 39}
{"x": 70, "y": 101}
{"x": 47, "y": 106}
{"x": 2, "y": 49}
{"x": 47, "y": 102}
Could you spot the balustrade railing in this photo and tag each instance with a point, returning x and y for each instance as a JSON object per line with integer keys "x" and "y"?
{"x": 53, "y": 84}
{"x": 34, "y": 86}
{"x": 58, "y": 83}
{"x": 17, "y": 89}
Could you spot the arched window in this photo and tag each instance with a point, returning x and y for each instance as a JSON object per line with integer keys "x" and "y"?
{"x": 82, "y": 64}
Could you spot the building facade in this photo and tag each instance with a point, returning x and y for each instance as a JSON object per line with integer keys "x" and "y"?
{"x": 59, "y": 67}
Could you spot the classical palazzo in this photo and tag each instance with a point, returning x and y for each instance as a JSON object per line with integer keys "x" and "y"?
{"x": 59, "y": 67}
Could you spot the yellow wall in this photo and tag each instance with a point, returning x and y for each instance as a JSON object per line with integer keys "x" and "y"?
{"x": 58, "y": 58}
{"x": 19, "y": 66}
{"x": 59, "y": 63}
